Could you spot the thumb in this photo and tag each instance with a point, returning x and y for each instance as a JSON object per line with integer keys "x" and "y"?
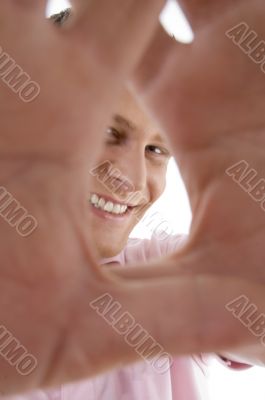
{"x": 187, "y": 312}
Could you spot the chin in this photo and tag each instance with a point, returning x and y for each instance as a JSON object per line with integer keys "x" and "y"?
{"x": 108, "y": 252}
{"x": 109, "y": 249}
{"x": 109, "y": 242}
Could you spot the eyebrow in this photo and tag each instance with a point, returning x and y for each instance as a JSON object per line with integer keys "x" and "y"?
{"x": 120, "y": 119}
{"x": 159, "y": 138}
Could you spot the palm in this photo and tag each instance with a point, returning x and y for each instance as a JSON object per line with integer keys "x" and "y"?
{"x": 208, "y": 97}
{"x": 48, "y": 179}
{"x": 48, "y": 146}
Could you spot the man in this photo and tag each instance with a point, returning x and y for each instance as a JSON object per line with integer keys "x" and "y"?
{"x": 47, "y": 150}
{"x": 128, "y": 178}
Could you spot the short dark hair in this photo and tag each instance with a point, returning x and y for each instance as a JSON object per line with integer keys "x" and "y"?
{"x": 61, "y": 17}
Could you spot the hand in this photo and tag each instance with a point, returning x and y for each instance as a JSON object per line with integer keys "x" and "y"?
{"x": 49, "y": 277}
{"x": 208, "y": 96}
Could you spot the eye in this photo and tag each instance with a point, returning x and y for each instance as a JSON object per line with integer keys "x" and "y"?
{"x": 157, "y": 150}
{"x": 113, "y": 135}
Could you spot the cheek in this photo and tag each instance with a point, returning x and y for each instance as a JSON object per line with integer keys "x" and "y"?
{"x": 111, "y": 154}
{"x": 157, "y": 184}
{"x": 102, "y": 166}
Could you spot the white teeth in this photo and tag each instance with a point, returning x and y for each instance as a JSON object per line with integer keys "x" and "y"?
{"x": 123, "y": 209}
{"x": 117, "y": 209}
{"x": 101, "y": 203}
{"x": 108, "y": 206}
{"x": 94, "y": 199}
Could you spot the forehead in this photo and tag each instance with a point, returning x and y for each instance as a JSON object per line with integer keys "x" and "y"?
{"x": 132, "y": 115}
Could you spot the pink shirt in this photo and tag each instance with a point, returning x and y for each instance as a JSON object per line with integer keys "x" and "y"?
{"x": 185, "y": 380}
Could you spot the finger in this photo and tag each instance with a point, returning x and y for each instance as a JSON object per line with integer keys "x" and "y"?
{"x": 192, "y": 314}
{"x": 159, "y": 269}
{"x": 154, "y": 58}
{"x": 38, "y": 5}
{"x": 117, "y": 30}
{"x": 196, "y": 258}
{"x": 202, "y": 12}
{"x": 79, "y": 3}
{"x": 190, "y": 301}
{"x": 191, "y": 308}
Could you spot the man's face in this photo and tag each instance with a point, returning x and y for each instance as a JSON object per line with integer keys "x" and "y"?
{"x": 128, "y": 178}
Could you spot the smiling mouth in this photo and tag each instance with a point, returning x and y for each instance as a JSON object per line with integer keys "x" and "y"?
{"x": 110, "y": 207}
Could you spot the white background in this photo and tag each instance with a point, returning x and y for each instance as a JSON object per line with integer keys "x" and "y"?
{"x": 173, "y": 206}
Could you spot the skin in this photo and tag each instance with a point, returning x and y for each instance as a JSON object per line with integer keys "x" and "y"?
{"x": 47, "y": 146}
{"x": 138, "y": 156}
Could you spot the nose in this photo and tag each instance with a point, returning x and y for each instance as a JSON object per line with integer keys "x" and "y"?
{"x": 129, "y": 174}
